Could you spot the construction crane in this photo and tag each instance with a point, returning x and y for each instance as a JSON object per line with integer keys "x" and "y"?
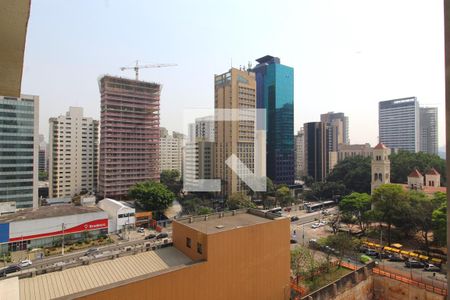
{"x": 137, "y": 67}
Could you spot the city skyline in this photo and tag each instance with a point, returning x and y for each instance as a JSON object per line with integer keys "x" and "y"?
{"x": 350, "y": 66}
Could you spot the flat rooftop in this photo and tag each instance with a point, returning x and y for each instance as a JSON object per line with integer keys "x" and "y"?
{"x": 47, "y": 212}
{"x": 227, "y": 221}
{"x": 101, "y": 275}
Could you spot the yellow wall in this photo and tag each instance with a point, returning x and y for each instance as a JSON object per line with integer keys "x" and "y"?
{"x": 245, "y": 263}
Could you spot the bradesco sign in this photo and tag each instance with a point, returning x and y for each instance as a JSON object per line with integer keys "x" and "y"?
{"x": 91, "y": 225}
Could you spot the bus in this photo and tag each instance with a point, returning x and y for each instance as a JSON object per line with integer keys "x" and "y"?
{"x": 275, "y": 210}
{"x": 311, "y": 207}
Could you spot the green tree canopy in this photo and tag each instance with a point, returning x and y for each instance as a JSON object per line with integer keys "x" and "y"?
{"x": 439, "y": 221}
{"x": 239, "y": 200}
{"x": 327, "y": 190}
{"x": 357, "y": 205}
{"x": 390, "y": 202}
{"x": 403, "y": 162}
{"x": 152, "y": 195}
{"x": 343, "y": 243}
{"x": 354, "y": 172}
{"x": 171, "y": 179}
{"x": 283, "y": 196}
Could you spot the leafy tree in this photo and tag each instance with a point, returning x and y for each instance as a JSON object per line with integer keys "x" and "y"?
{"x": 239, "y": 200}
{"x": 203, "y": 210}
{"x": 403, "y": 162}
{"x": 354, "y": 173}
{"x": 302, "y": 262}
{"x": 43, "y": 176}
{"x": 439, "y": 221}
{"x": 308, "y": 180}
{"x": 283, "y": 196}
{"x": 344, "y": 244}
{"x": 152, "y": 195}
{"x": 327, "y": 190}
{"x": 390, "y": 201}
{"x": 357, "y": 205}
{"x": 171, "y": 179}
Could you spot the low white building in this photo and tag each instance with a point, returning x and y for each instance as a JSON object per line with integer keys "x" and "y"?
{"x": 120, "y": 215}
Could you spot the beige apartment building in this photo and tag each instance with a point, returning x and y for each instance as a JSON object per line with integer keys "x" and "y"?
{"x": 73, "y": 158}
{"x": 235, "y": 89}
{"x": 171, "y": 150}
{"x": 345, "y": 151}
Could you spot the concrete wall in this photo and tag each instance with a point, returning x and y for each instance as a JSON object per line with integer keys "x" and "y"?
{"x": 251, "y": 262}
{"x": 386, "y": 288}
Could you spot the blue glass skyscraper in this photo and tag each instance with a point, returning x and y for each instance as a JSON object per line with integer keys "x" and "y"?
{"x": 275, "y": 93}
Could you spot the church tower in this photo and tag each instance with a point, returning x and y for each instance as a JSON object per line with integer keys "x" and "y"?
{"x": 381, "y": 166}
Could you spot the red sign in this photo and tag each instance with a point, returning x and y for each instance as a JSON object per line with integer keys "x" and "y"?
{"x": 92, "y": 225}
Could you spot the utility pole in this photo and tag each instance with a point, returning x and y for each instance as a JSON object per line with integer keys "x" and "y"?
{"x": 62, "y": 244}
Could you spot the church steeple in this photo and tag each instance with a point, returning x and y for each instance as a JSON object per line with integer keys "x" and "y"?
{"x": 381, "y": 166}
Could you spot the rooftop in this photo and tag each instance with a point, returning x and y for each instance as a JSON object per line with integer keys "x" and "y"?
{"x": 415, "y": 173}
{"x": 432, "y": 172}
{"x": 47, "y": 212}
{"x": 227, "y": 221}
{"x": 380, "y": 146}
{"x": 101, "y": 275}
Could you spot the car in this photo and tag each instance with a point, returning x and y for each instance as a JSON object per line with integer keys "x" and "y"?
{"x": 150, "y": 236}
{"x": 412, "y": 263}
{"x": 91, "y": 251}
{"x": 162, "y": 235}
{"x": 293, "y": 241}
{"x": 9, "y": 270}
{"x": 381, "y": 255}
{"x": 141, "y": 230}
{"x": 294, "y": 218}
{"x": 394, "y": 257}
{"x": 371, "y": 252}
{"x": 25, "y": 263}
{"x": 315, "y": 225}
{"x": 322, "y": 223}
{"x": 363, "y": 249}
{"x": 431, "y": 268}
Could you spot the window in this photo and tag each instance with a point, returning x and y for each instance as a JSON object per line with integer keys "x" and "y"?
{"x": 188, "y": 242}
{"x": 199, "y": 248}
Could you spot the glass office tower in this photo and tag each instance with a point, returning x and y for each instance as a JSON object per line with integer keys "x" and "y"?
{"x": 19, "y": 147}
{"x": 275, "y": 93}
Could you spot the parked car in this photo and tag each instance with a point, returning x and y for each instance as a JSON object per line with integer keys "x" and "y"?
{"x": 150, "y": 236}
{"x": 293, "y": 241}
{"x": 162, "y": 235}
{"x": 91, "y": 251}
{"x": 322, "y": 223}
{"x": 363, "y": 249}
{"x": 412, "y": 263}
{"x": 25, "y": 263}
{"x": 395, "y": 257}
{"x": 315, "y": 225}
{"x": 432, "y": 268}
{"x": 141, "y": 230}
{"x": 381, "y": 255}
{"x": 294, "y": 218}
{"x": 371, "y": 252}
{"x": 9, "y": 270}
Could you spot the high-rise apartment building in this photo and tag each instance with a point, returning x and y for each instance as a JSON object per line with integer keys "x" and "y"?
{"x": 235, "y": 89}
{"x": 73, "y": 167}
{"x": 429, "y": 130}
{"x": 338, "y": 129}
{"x": 43, "y": 154}
{"x": 19, "y": 148}
{"x": 275, "y": 93}
{"x": 129, "y": 134}
{"x": 300, "y": 154}
{"x": 171, "y": 151}
{"x": 399, "y": 126}
{"x": 204, "y": 128}
{"x": 316, "y": 150}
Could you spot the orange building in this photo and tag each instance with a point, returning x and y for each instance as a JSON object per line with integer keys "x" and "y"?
{"x": 236, "y": 255}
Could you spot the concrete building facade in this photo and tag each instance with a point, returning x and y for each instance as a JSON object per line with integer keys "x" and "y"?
{"x": 300, "y": 154}
{"x": 43, "y": 154}
{"x": 19, "y": 150}
{"x": 171, "y": 151}
{"x": 235, "y": 89}
{"x": 399, "y": 124}
{"x": 74, "y": 154}
{"x": 339, "y": 129}
{"x": 316, "y": 150}
{"x": 345, "y": 151}
{"x": 381, "y": 166}
{"x": 429, "y": 130}
{"x": 129, "y": 139}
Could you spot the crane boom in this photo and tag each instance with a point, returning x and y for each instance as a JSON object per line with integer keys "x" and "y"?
{"x": 137, "y": 67}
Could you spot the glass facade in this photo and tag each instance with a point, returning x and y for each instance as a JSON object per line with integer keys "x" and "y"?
{"x": 17, "y": 140}
{"x": 275, "y": 93}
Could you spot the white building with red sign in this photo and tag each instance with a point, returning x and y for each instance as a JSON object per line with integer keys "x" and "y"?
{"x": 46, "y": 226}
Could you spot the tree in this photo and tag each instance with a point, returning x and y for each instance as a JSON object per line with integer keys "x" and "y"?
{"x": 152, "y": 195}
{"x": 43, "y": 176}
{"x": 343, "y": 244}
{"x": 403, "y": 162}
{"x": 358, "y": 206}
{"x": 283, "y": 196}
{"x": 171, "y": 179}
{"x": 239, "y": 200}
{"x": 302, "y": 262}
{"x": 328, "y": 190}
{"x": 203, "y": 210}
{"x": 390, "y": 201}
{"x": 354, "y": 173}
{"x": 439, "y": 221}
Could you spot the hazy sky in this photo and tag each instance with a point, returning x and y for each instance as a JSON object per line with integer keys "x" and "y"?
{"x": 347, "y": 55}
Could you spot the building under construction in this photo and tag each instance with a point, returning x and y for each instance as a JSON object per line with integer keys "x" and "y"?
{"x": 129, "y": 134}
